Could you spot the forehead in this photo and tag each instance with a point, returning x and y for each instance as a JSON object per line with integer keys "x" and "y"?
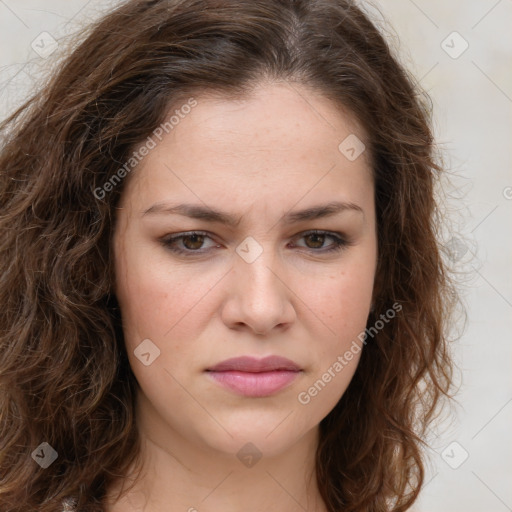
{"x": 282, "y": 138}
{"x": 272, "y": 117}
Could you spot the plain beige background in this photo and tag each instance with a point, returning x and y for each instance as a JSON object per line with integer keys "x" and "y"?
{"x": 460, "y": 51}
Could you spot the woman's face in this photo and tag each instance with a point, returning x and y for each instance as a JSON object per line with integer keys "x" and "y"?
{"x": 262, "y": 285}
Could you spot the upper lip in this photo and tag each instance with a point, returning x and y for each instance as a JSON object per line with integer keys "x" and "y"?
{"x": 251, "y": 364}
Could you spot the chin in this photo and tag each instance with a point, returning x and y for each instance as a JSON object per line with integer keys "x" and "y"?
{"x": 271, "y": 436}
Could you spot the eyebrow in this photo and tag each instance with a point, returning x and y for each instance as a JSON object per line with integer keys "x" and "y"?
{"x": 208, "y": 214}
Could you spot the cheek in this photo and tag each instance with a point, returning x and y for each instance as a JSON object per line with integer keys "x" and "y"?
{"x": 343, "y": 302}
{"x": 144, "y": 293}
{"x": 344, "y": 298}
{"x": 151, "y": 305}
{"x": 161, "y": 302}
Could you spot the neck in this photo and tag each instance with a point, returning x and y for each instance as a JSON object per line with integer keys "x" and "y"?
{"x": 178, "y": 474}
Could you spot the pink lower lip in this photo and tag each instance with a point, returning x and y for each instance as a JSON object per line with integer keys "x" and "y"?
{"x": 255, "y": 384}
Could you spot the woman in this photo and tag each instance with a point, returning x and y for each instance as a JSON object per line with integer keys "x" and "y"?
{"x": 222, "y": 287}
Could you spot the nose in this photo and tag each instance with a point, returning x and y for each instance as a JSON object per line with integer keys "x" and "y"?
{"x": 258, "y": 297}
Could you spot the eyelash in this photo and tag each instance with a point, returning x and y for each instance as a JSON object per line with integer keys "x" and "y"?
{"x": 339, "y": 242}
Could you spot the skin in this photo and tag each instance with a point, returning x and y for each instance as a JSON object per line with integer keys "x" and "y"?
{"x": 274, "y": 152}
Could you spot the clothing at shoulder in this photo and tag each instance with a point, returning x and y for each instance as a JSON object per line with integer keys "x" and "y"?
{"x": 68, "y": 505}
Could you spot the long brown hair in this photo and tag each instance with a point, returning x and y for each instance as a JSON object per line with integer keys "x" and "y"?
{"x": 65, "y": 379}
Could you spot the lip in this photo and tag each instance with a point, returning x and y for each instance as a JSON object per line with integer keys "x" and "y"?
{"x": 252, "y": 364}
{"x": 253, "y": 377}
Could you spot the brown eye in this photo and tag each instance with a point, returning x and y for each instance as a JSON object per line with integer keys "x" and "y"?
{"x": 317, "y": 240}
{"x": 193, "y": 242}
{"x": 188, "y": 243}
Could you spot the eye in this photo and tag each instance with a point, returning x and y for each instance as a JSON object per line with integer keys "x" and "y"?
{"x": 317, "y": 239}
{"x": 193, "y": 242}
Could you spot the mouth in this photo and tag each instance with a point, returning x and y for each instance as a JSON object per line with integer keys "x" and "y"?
{"x": 252, "y": 377}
